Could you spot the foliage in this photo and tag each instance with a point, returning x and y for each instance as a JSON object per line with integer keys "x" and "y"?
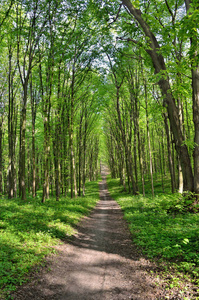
{"x": 162, "y": 227}
{"x": 29, "y": 230}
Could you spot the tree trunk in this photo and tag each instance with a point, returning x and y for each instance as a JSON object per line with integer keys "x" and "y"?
{"x": 22, "y": 166}
{"x": 135, "y": 151}
{"x": 33, "y": 164}
{"x": 12, "y": 123}
{"x": 148, "y": 137}
{"x": 56, "y": 145}
{"x": 170, "y": 160}
{"x": 140, "y": 151}
{"x": 80, "y": 154}
{"x": 195, "y": 84}
{"x": 1, "y": 156}
{"x": 72, "y": 166}
{"x": 168, "y": 101}
{"x": 33, "y": 111}
{"x": 161, "y": 156}
{"x": 84, "y": 155}
{"x": 46, "y": 101}
{"x": 195, "y": 92}
{"x": 127, "y": 153}
{"x": 46, "y": 159}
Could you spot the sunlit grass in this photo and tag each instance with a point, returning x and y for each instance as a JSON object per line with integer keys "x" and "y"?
{"x": 161, "y": 227}
{"x": 29, "y": 230}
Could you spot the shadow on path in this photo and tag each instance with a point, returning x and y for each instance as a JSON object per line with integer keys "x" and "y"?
{"x": 105, "y": 230}
{"x": 99, "y": 263}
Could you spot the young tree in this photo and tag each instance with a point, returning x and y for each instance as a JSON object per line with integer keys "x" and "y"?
{"x": 29, "y": 30}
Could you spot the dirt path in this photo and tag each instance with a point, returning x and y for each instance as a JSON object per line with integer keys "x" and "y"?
{"x": 99, "y": 263}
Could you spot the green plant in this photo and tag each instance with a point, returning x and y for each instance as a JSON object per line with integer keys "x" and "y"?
{"x": 29, "y": 230}
{"x": 162, "y": 227}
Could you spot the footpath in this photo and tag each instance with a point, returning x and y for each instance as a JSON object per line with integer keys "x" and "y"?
{"x": 99, "y": 263}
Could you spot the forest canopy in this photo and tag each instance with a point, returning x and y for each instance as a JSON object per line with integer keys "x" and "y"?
{"x": 88, "y": 81}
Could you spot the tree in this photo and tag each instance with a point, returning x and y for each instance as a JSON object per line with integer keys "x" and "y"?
{"x": 192, "y": 21}
{"x": 154, "y": 50}
{"x": 13, "y": 84}
{"x": 29, "y": 31}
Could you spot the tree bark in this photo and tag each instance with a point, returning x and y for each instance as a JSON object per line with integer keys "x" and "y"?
{"x": 23, "y": 147}
{"x": 195, "y": 85}
{"x": 1, "y": 155}
{"x": 140, "y": 153}
{"x": 161, "y": 158}
{"x": 80, "y": 154}
{"x": 170, "y": 160}
{"x": 33, "y": 110}
{"x": 148, "y": 137}
{"x": 12, "y": 122}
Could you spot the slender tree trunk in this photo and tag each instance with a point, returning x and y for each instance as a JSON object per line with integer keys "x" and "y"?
{"x": 164, "y": 163}
{"x": 37, "y": 170}
{"x": 72, "y": 166}
{"x": 135, "y": 152}
{"x": 33, "y": 110}
{"x": 33, "y": 164}
{"x": 163, "y": 156}
{"x": 74, "y": 172}
{"x": 180, "y": 177}
{"x": 148, "y": 137}
{"x": 80, "y": 154}
{"x": 84, "y": 172}
{"x": 188, "y": 132}
{"x": 12, "y": 112}
{"x": 5, "y": 187}
{"x": 46, "y": 159}
{"x": 180, "y": 173}
{"x": 46, "y": 100}
{"x": 1, "y": 156}
{"x": 170, "y": 160}
{"x": 22, "y": 165}
{"x": 195, "y": 84}
{"x": 84, "y": 154}
{"x": 123, "y": 177}
{"x": 71, "y": 125}
{"x": 154, "y": 154}
{"x": 141, "y": 161}
{"x": 28, "y": 167}
{"x": 161, "y": 165}
{"x": 56, "y": 145}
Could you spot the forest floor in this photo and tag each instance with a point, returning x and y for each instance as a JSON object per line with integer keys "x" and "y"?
{"x": 100, "y": 262}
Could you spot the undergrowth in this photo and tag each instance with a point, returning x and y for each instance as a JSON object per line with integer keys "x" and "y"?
{"x": 30, "y": 229}
{"x": 163, "y": 227}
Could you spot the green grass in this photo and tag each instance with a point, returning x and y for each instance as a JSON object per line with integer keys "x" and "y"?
{"x": 30, "y": 229}
{"x": 162, "y": 227}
